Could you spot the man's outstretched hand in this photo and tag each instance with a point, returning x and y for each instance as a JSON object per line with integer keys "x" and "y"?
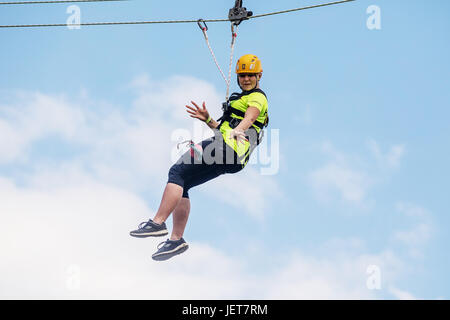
{"x": 197, "y": 112}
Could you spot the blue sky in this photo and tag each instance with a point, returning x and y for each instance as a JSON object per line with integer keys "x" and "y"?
{"x": 86, "y": 124}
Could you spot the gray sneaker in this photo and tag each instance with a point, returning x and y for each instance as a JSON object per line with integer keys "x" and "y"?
{"x": 150, "y": 229}
{"x": 170, "y": 248}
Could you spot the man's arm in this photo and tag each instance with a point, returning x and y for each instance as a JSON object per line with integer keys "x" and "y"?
{"x": 213, "y": 124}
{"x": 251, "y": 115}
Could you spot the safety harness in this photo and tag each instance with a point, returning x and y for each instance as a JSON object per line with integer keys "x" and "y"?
{"x": 229, "y": 111}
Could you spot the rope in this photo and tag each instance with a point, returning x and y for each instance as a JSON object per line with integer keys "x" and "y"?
{"x": 205, "y": 29}
{"x": 233, "y": 41}
{"x": 59, "y": 1}
{"x": 166, "y": 21}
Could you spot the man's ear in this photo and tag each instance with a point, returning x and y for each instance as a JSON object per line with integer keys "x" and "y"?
{"x": 259, "y": 76}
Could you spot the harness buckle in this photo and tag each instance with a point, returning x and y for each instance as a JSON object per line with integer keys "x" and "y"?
{"x": 260, "y": 137}
{"x": 226, "y": 106}
{"x": 234, "y": 122}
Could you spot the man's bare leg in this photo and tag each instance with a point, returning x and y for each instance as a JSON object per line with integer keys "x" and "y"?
{"x": 180, "y": 218}
{"x": 171, "y": 197}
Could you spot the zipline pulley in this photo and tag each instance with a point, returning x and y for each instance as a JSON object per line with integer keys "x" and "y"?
{"x": 238, "y": 13}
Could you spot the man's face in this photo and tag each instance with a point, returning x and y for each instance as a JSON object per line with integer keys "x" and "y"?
{"x": 248, "y": 80}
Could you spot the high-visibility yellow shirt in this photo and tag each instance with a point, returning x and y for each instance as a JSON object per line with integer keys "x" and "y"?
{"x": 255, "y": 98}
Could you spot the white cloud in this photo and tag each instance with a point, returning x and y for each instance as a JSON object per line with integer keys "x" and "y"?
{"x": 32, "y": 117}
{"x": 353, "y": 176}
{"x": 343, "y": 174}
{"x": 335, "y": 274}
{"x": 417, "y": 235}
{"x": 311, "y": 278}
{"x": 413, "y": 211}
{"x": 391, "y": 159}
{"x": 168, "y": 97}
{"x": 11, "y": 143}
{"x": 401, "y": 294}
{"x": 248, "y": 190}
{"x": 123, "y": 146}
{"x": 77, "y": 211}
{"x": 46, "y": 233}
{"x": 352, "y": 185}
{"x": 421, "y": 228}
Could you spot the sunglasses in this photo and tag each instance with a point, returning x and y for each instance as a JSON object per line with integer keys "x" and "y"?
{"x": 243, "y": 75}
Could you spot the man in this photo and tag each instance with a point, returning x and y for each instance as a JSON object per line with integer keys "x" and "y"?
{"x": 235, "y": 138}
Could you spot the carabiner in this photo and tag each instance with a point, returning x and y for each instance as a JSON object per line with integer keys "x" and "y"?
{"x": 196, "y": 150}
{"x": 204, "y": 27}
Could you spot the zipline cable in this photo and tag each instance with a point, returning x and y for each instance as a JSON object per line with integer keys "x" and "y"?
{"x": 168, "y": 21}
{"x": 298, "y": 9}
{"x": 106, "y": 23}
{"x": 56, "y": 1}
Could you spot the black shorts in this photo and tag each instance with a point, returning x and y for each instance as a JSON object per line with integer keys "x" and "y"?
{"x": 217, "y": 159}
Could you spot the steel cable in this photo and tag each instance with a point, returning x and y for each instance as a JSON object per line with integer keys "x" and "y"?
{"x": 56, "y": 1}
{"x": 166, "y": 21}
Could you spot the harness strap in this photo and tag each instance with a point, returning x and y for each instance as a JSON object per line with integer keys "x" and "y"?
{"x": 227, "y": 117}
{"x": 228, "y": 110}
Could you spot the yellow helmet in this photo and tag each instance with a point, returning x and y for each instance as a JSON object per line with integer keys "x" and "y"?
{"x": 248, "y": 64}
